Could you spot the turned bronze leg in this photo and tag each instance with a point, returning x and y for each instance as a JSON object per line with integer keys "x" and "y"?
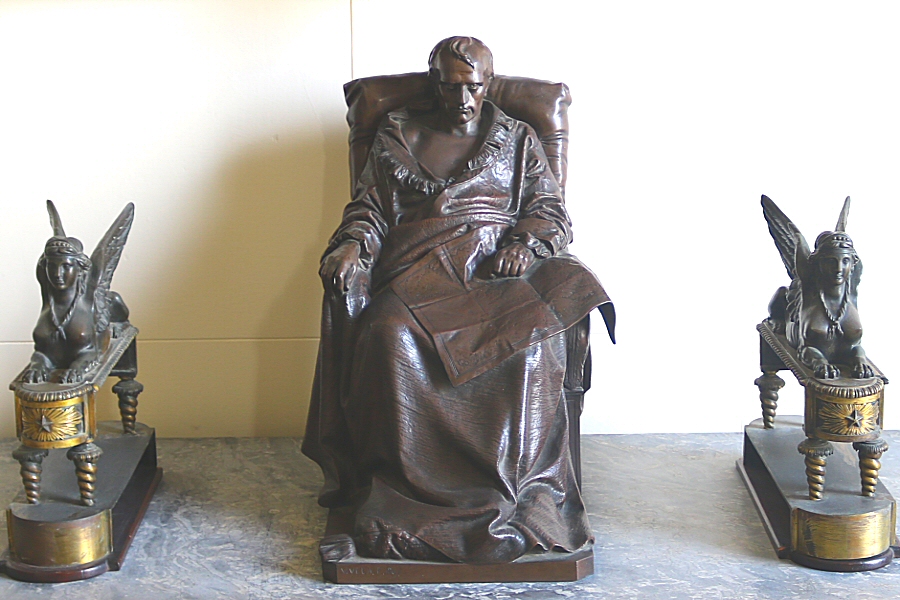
{"x": 769, "y": 383}
{"x": 85, "y": 458}
{"x": 31, "y": 459}
{"x": 128, "y": 390}
{"x": 870, "y": 463}
{"x": 816, "y": 451}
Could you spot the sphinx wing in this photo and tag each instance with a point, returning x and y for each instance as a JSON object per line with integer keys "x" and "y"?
{"x": 104, "y": 261}
{"x": 55, "y": 221}
{"x": 855, "y": 276}
{"x": 790, "y": 242}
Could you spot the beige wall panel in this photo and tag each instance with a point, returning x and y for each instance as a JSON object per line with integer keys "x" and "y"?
{"x": 215, "y": 388}
{"x": 222, "y": 121}
{"x": 203, "y": 388}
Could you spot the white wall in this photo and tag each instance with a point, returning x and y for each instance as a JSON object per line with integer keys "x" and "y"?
{"x": 223, "y": 122}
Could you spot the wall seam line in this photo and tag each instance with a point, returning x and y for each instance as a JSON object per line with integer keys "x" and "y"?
{"x": 352, "y": 53}
{"x": 198, "y": 340}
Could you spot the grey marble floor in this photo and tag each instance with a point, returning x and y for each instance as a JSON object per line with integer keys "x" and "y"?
{"x": 237, "y": 518}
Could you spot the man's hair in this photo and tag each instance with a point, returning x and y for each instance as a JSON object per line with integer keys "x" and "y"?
{"x": 465, "y": 49}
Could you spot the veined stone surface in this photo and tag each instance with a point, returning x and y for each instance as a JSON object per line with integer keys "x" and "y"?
{"x": 238, "y": 519}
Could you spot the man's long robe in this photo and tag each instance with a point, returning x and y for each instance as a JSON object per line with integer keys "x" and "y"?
{"x": 437, "y": 410}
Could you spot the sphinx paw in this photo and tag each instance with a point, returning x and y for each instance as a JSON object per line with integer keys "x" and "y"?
{"x": 827, "y": 371}
{"x": 862, "y": 369}
{"x": 71, "y": 376}
{"x": 35, "y": 376}
{"x": 777, "y": 325}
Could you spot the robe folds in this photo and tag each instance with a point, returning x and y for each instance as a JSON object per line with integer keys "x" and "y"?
{"x": 437, "y": 412}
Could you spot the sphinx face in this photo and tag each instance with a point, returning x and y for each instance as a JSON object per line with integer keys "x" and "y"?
{"x": 835, "y": 268}
{"x": 62, "y": 272}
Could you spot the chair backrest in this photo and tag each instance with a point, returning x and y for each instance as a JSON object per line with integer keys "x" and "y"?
{"x": 541, "y": 104}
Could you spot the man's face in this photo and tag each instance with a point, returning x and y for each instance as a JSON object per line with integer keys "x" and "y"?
{"x": 461, "y": 89}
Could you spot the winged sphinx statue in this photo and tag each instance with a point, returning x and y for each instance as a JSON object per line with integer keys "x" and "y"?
{"x": 79, "y": 309}
{"x": 818, "y": 312}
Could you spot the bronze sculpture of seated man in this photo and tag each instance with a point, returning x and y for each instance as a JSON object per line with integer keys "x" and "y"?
{"x": 437, "y": 413}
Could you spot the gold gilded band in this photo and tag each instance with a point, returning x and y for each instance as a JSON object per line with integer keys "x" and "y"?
{"x": 874, "y": 398}
{"x": 842, "y": 537}
{"x": 57, "y": 404}
{"x": 59, "y": 544}
{"x": 67, "y": 443}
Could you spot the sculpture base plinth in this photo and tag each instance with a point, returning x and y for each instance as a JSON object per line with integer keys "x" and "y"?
{"x": 60, "y": 539}
{"x": 844, "y": 531}
{"x": 546, "y": 566}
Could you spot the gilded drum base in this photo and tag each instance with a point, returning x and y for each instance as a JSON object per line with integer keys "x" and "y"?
{"x": 53, "y": 415}
{"x": 67, "y": 543}
{"x": 844, "y": 410}
{"x": 844, "y": 531}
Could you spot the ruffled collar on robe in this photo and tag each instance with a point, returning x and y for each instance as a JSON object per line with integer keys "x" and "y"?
{"x": 396, "y": 158}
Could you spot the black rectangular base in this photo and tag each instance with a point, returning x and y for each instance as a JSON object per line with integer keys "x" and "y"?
{"x": 59, "y": 539}
{"x": 844, "y": 531}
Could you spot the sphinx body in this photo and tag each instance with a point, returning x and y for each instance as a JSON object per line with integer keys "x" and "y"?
{"x": 79, "y": 309}
{"x": 818, "y": 312}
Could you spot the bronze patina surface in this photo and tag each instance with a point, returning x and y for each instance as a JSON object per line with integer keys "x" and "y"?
{"x": 814, "y": 330}
{"x": 80, "y": 311}
{"x": 817, "y": 313}
{"x": 447, "y": 376}
{"x": 82, "y": 337}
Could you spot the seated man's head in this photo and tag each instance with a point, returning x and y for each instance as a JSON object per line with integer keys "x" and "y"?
{"x": 461, "y": 69}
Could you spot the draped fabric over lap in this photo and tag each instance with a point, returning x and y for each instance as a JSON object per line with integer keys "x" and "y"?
{"x": 437, "y": 410}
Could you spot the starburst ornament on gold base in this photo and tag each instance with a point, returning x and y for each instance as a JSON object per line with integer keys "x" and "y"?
{"x": 849, "y": 419}
{"x": 50, "y": 424}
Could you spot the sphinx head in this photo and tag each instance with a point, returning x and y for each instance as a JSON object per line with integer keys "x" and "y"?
{"x": 834, "y": 258}
{"x": 65, "y": 263}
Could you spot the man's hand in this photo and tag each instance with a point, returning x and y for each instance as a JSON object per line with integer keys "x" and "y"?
{"x": 340, "y": 267}
{"x": 513, "y": 260}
